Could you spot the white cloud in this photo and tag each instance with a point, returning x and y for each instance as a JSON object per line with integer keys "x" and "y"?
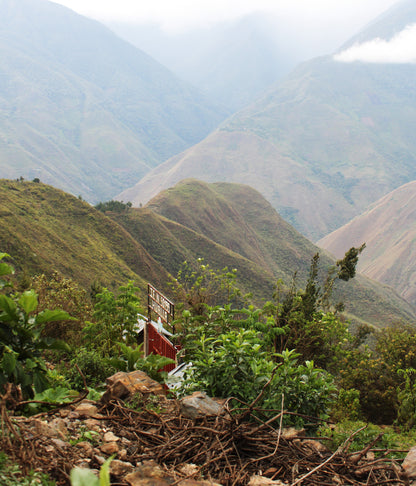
{"x": 398, "y": 50}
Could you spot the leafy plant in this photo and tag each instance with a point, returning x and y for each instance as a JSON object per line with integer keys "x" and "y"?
{"x": 85, "y": 477}
{"x": 236, "y": 365}
{"x": 131, "y": 358}
{"x": 21, "y": 340}
{"x": 198, "y": 287}
{"x": 94, "y": 367}
{"x": 11, "y": 475}
{"x": 364, "y": 433}
{"x": 62, "y": 292}
{"x": 115, "y": 318}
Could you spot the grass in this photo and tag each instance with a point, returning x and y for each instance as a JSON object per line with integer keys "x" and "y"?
{"x": 47, "y": 230}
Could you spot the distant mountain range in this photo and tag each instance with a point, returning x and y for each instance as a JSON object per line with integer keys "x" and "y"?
{"x": 45, "y": 229}
{"x": 388, "y": 228}
{"x": 323, "y": 144}
{"x": 84, "y": 110}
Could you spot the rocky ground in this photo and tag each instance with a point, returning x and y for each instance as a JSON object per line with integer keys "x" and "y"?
{"x": 159, "y": 441}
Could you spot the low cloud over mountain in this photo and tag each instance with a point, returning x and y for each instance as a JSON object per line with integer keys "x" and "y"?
{"x": 398, "y": 50}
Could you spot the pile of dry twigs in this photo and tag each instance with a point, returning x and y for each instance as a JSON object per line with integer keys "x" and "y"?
{"x": 232, "y": 447}
{"x": 229, "y": 448}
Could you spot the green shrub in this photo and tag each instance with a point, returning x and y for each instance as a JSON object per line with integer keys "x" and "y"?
{"x": 21, "y": 340}
{"x": 11, "y": 475}
{"x": 93, "y": 366}
{"x": 236, "y": 365}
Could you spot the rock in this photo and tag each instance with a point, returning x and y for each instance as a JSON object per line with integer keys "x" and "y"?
{"x": 409, "y": 464}
{"x": 188, "y": 469}
{"x": 110, "y": 437}
{"x": 93, "y": 424}
{"x": 290, "y": 433}
{"x": 86, "y": 447}
{"x": 60, "y": 444}
{"x": 109, "y": 448}
{"x": 199, "y": 404}
{"x": 123, "y": 385}
{"x": 120, "y": 468}
{"x": 100, "y": 459}
{"x": 86, "y": 409}
{"x": 194, "y": 482}
{"x": 149, "y": 473}
{"x": 47, "y": 430}
{"x": 315, "y": 446}
{"x": 262, "y": 481}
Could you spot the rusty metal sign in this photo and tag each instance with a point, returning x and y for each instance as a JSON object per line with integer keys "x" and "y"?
{"x": 160, "y": 305}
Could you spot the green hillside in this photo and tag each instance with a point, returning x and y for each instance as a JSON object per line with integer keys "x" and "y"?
{"x": 323, "y": 144}
{"x": 249, "y": 235}
{"x": 84, "y": 110}
{"x": 45, "y": 229}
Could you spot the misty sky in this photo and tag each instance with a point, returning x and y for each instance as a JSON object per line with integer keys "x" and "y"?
{"x": 320, "y": 25}
{"x": 182, "y": 14}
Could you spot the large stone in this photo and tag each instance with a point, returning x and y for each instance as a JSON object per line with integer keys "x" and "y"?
{"x": 262, "y": 481}
{"x": 199, "y": 404}
{"x": 409, "y": 464}
{"x": 120, "y": 468}
{"x": 149, "y": 473}
{"x": 87, "y": 408}
{"x": 123, "y": 385}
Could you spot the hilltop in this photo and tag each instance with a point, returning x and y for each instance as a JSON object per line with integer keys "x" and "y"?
{"x": 233, "y": 225}
{"x": 45, "y": 229}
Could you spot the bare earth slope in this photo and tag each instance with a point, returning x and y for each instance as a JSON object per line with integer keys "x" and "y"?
{"x": 388, "y": 228}
{"x": 322, "y": 145}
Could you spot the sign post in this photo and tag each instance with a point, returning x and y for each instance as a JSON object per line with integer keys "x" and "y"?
{"x": 162, "y": 307}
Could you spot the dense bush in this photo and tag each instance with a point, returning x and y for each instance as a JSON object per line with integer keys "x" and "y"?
{"x": 235, "y": 364}
{"x": 21, "y": 341}
{"x": 93, "y": 366}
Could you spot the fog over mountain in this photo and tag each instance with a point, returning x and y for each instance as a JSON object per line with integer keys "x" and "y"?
{"x": 83, "y": 109}
{"x": 321, "y": 145}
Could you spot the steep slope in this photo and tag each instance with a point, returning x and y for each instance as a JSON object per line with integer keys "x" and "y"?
{"x": 233, "y": 225}
{"x": 389, "y": 231}
{"x": 45, "y": 229}
{"x": 83, "y": 109}
{"x": 327, "y": 141}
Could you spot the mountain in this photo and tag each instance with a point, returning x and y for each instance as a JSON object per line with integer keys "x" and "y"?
{"x": 84, "y": 110}
{"x": 45, "y": 229}
{"x": 389, "y": 231}
{"x": 323, "y": 144}
{"x": 232, "y": 62}
{"x": 233, "y": 225}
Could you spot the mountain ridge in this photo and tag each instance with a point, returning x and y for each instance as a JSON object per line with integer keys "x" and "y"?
{"x": 45, "y": 229}
{"x": 83, "y": 109}
{"x": 321, "y": 145}
{"x": 387, "y": 228}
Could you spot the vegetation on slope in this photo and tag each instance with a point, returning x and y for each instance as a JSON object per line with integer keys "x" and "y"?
{"x": 239, "y": 220}
{"x": 47, "y": 230}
